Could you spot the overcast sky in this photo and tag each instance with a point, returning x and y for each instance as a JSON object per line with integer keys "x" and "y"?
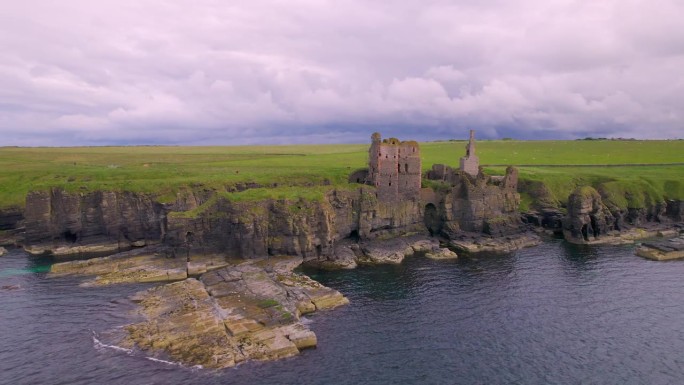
{"x": 83, "y": 72}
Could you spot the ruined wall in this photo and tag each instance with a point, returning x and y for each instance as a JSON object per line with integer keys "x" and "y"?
{"x": 470, "y": 163}
{"x": 478, "y": 204}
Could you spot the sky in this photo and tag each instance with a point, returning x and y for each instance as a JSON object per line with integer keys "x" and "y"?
{"x": 111, "y": 72}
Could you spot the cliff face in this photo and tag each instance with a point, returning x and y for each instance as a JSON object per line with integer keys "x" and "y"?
{"x": 10, "y": 218}
{"x": 675, "y": 210}
{"x": 282, "y": 227}
{"x": 204, "y": 221}
{"x": 80, "y": 217}
{"x": 590, "y": 215}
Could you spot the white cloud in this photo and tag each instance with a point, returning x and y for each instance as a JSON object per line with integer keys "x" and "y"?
{"x": 150, "y": 71}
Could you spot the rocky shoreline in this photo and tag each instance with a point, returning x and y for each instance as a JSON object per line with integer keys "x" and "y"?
{"x": 234, "y": 311}
{"x": 217, "y": 311}
{"x": 663, "y": 250}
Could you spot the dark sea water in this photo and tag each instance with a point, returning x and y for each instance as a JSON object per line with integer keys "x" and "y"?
{"x": 553, "y": 314}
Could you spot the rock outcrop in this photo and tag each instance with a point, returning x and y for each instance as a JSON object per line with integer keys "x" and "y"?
{"x": 249, "y": 311}
{"x": 10, "y": 218}
{"x": 441, "y": 253}
{"x": 588, "y": 218}
{"x": 141, "y": 265}
{"x": 675, "y": 210}
{"x": 662, "y": 250}
{"x": 476, "y": 243}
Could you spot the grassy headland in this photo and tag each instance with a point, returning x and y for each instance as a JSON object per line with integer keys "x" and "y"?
{"x": 290, "y": 171}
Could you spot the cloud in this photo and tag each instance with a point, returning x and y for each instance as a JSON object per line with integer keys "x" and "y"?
{"x": 206, "y": 71}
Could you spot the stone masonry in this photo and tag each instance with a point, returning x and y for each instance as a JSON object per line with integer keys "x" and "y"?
{"x": 471, "y": 163}
{"x": 394, "y": 169}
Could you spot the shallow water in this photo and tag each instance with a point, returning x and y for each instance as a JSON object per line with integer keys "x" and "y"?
{"x": 555, "y": 313}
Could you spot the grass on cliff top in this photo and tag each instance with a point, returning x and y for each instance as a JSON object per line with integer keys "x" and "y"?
{"x": 165, "y": 170}
{"x": 625, "y": 187}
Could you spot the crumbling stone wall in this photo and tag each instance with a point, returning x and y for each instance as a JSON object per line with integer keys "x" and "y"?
{"x": 479, "y": 204}
{"x": 470, "y": 163}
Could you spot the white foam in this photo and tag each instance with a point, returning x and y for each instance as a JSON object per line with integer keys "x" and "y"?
{"x": 306, "y": 321}
{"x": 173, "y": 363}
{"x": 100, "y": 345}
{"x": 163, "y": 361}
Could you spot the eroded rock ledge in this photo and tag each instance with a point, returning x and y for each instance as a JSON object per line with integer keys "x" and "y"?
{"x": 151, "y": 264}
{"x": 239, "y": 311}
{"x": 663, "y": 250}
{"x": 349, "y": 254}
{"x": 249, "y": 311}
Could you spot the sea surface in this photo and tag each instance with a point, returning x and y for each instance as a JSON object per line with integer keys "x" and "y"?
{"x": 552, "y": 314}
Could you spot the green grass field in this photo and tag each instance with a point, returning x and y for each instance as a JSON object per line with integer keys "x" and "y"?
{"x": 164, "y": 170}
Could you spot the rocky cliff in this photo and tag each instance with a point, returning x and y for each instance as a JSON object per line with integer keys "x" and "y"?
{"x": 207, "y": 221}
{"x": 59, "y": 216}
{"x": 309, "y": 229}
{"x": 592, "y": 215}
{"x": 588, "y": 218}
{"x": 10, "y": 218}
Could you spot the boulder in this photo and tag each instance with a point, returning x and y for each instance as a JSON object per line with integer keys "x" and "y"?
{"x": 441, "y": 253}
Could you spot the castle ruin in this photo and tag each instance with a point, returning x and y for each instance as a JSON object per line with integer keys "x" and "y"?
{"x": 394, "y": 168}
{"x": 468, "y": 201}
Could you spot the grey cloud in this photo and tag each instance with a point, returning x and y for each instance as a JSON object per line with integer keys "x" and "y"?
{"x": 117, "y": 72}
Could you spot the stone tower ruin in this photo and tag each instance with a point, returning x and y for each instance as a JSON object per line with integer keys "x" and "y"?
{"x": 394, "y": 168}
{"x": 470, "y": 163}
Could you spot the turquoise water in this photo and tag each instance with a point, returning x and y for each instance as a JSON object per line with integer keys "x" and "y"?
{"x": 553, "y": 314}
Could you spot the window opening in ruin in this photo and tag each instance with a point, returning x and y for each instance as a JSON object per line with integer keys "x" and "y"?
{"x": 390, "y": 183}
{"x": 406, "y": 168}
{"x": 399, "y": 168}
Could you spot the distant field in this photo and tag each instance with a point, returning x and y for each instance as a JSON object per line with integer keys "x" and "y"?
{"x": 165, "y": 169}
